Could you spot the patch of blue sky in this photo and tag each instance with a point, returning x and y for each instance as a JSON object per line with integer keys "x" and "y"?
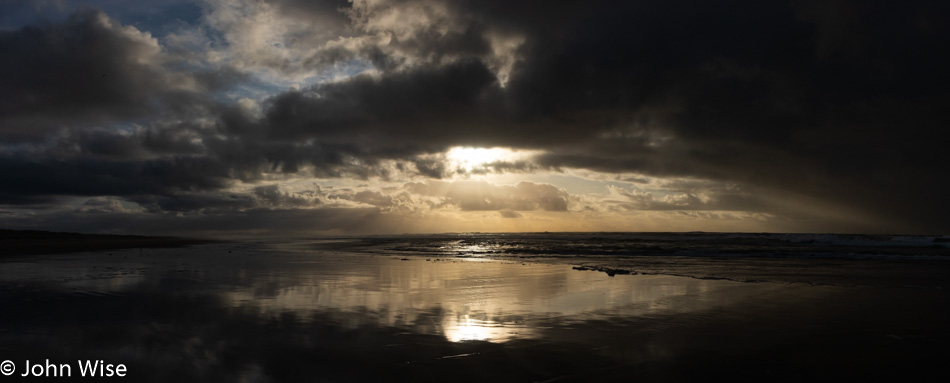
{"x": 17, "y": 14}
{"x": 256, "y": 88}
{"x": 264, "y": 84}
{"x": 159, "y": 17}
{"x": 162, "y": 20}
{"x": 343, "y": 70}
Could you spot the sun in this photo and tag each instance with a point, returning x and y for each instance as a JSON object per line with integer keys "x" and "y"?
{"x": 470, "y": 158}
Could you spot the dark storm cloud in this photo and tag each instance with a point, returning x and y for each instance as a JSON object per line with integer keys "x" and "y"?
{"x": 758, "y": 94}
{"x": 840, "y": 101}
{"x": 843, "y": 100}
{"x": 88, "y": 69}
{"x": 431, "y": 107}
{"x": 217, "y": 202}
{"x": 25, "y": 180}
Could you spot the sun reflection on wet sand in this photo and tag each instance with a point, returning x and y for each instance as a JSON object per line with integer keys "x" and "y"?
{"x": 461, "y": 298}
{"x": 467, "y": 328}
{"x": 474, "y": 299}
{"x": 288, "y": 313}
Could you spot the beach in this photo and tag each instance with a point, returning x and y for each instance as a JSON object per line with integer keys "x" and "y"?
{"x": 330, "y": 310}
{"x": 277, "y": 191}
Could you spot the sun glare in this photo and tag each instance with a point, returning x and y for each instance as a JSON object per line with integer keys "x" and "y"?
{"x": 470, "y": 158}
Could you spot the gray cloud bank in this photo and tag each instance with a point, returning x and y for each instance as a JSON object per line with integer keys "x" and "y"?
{"x": 838, "y": 102}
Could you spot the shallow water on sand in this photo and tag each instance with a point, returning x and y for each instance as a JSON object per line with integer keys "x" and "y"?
{"x": 273, "y": 312}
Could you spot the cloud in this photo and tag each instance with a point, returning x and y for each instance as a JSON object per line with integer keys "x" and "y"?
{"x": 100, "y": 205}
{"x": 762, "y": 107}
{"x": 509, "y": 214}
{"x": 89, "y": 69}
{"x": 271, "y": 195}
{"x": 277, "y": 37}
{"x": 481, "y": 195}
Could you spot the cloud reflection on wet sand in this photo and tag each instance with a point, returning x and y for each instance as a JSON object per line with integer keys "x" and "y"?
{"x": 260, "y": 314}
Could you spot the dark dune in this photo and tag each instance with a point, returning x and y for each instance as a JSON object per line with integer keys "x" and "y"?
{"x": 30, "y": 242}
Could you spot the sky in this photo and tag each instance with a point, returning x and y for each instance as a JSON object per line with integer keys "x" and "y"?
{"x": 334, "y": 117}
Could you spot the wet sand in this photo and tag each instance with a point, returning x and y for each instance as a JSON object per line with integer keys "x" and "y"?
{"x": 285, "y": 312}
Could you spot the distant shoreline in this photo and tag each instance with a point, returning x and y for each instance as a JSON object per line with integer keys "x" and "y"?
{"x": 36, "y": 242}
